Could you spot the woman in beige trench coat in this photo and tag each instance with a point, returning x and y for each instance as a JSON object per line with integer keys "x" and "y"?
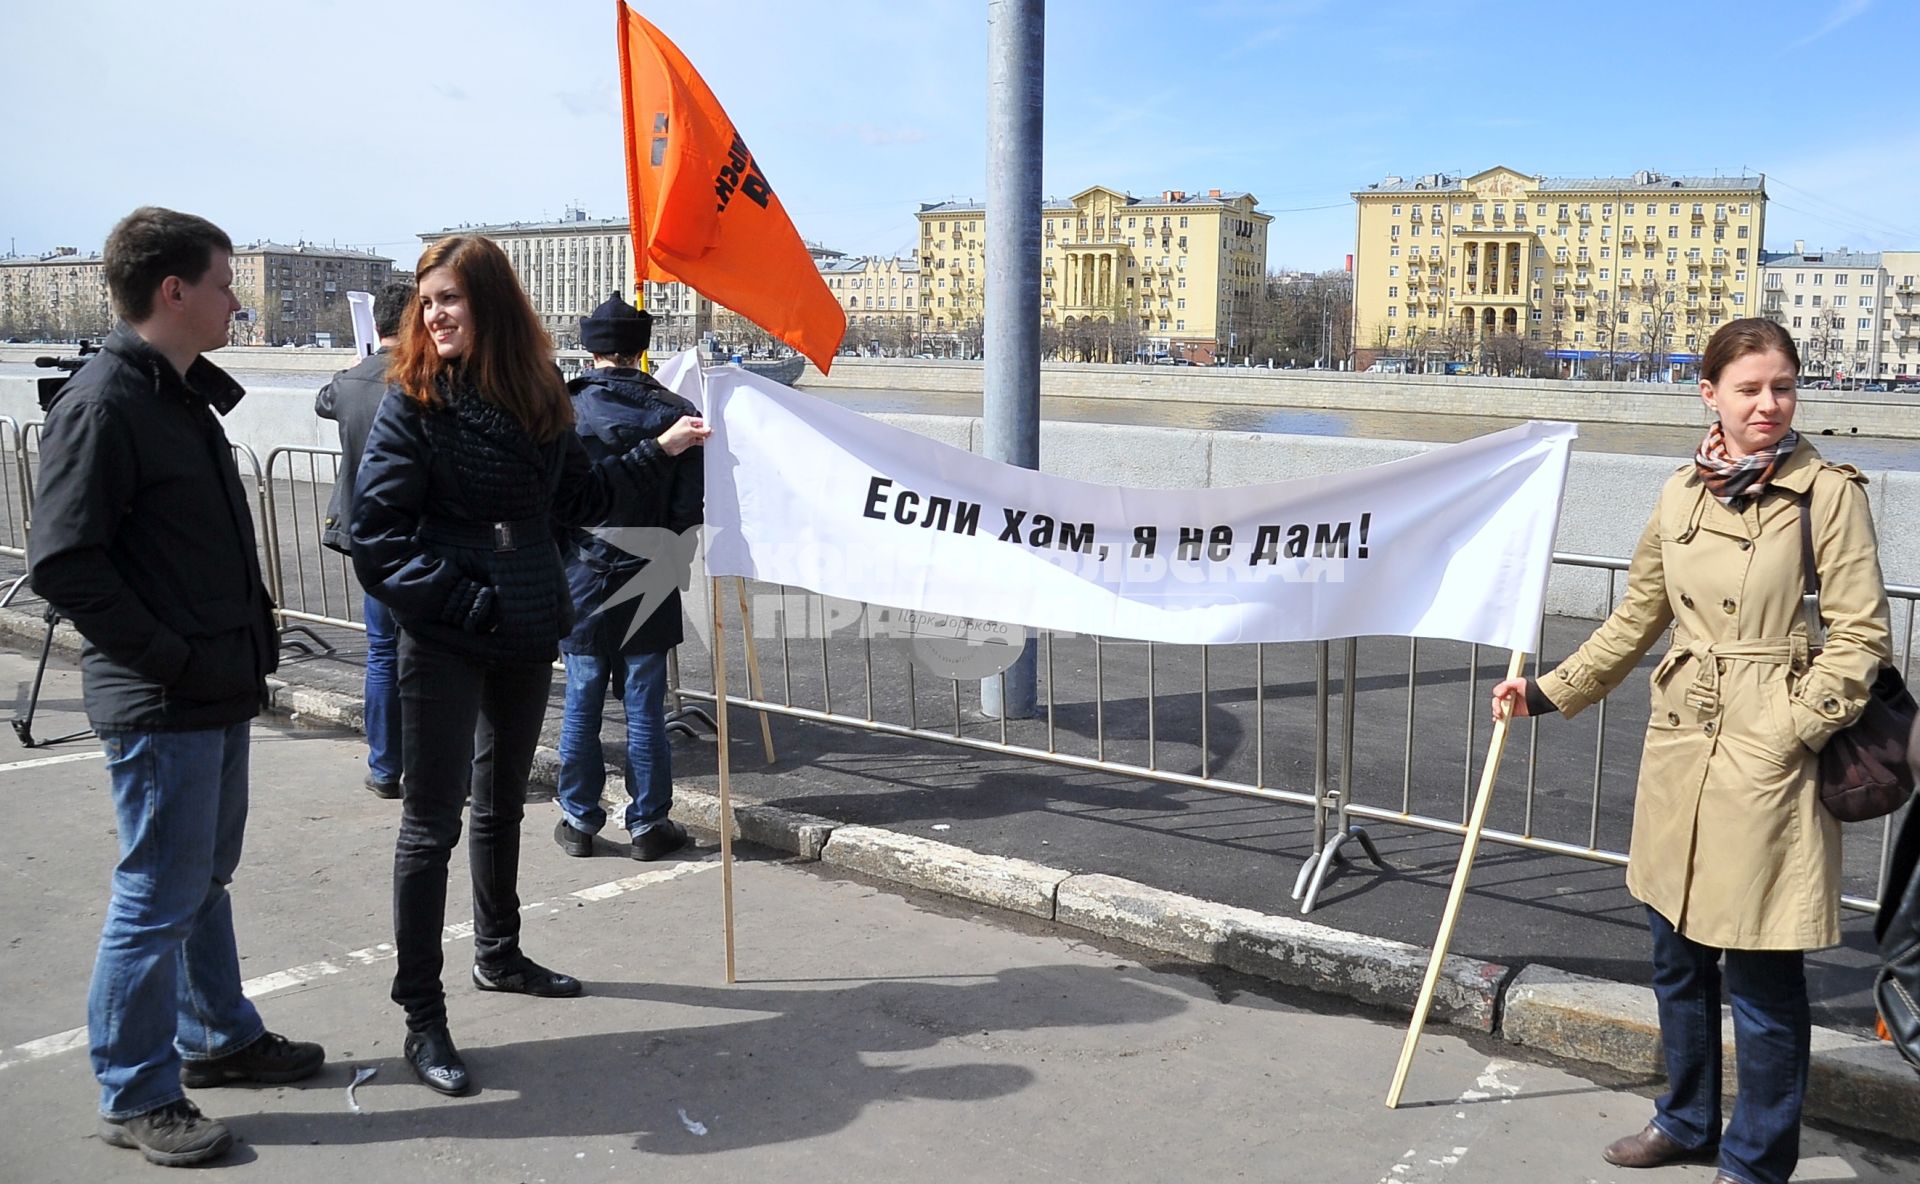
{"x": 1731, "y": 850}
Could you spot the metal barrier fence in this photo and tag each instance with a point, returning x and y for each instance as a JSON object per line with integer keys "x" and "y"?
{"x": 310, "y": 582}
{"x": 313, "y": 585}
{"x": 1336, "y": 806}
{"x": 22, "y": 452}
{"x": 16, "y": 492}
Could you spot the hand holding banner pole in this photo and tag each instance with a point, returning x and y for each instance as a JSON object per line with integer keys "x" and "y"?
{"x": 1496, "y": 745}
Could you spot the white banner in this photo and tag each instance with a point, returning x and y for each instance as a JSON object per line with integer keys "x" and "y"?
{"x": 1454, "y": 543}
{"x": 366, "y": 339}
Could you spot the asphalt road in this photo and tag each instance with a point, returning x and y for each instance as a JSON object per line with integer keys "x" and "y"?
{"x": 874, "y": 1034}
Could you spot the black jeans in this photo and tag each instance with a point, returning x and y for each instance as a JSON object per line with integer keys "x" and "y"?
{"x": 468, "y": 725}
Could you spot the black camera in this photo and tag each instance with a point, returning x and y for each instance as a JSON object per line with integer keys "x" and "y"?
{"x": 50, "y": 387}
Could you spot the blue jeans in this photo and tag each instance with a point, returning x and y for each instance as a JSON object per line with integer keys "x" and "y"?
{"x": 1773, "y": 1031}
{"x": 166, "y": 982}
{"x": 382, "y": 695}
{"x": 583, "y": 766}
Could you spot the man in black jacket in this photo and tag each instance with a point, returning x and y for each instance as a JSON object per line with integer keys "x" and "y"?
{"x": 616, "y": 406}
{"x": 351, "y": 399}
{"x": 143, "y": 539}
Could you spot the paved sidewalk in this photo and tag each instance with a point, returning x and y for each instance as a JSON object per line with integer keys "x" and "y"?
{"x": 876, "y": 1033}
{"x": 1204, "y": 876}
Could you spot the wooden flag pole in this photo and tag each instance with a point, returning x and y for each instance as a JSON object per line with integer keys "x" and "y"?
{"x": 1496, "y": 745}
{"x": 726, "y": 799}
{"x": 753, "y": 667}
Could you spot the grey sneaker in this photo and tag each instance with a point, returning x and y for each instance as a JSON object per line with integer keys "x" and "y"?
{"x": 173, "y": 1136}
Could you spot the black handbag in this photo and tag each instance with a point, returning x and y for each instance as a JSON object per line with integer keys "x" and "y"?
{"x": 1864, "y": 772}
{"x": 1896, "y": 988}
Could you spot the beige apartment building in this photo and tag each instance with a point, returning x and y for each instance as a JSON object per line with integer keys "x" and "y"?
{"x": 61, "y": 296}
{"x": 1900, "y": 316}
{"x": 570, "y": 266}
{"x": 881, "y": 296}
{"x": 1621, "y": 273}
{"x": 287, "y": 293}
{"x": 1174, "y": 275}
{"x": 1854, "y": 315}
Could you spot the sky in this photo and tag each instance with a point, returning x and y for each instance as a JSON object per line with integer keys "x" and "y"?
{"x": 365, "y": 123}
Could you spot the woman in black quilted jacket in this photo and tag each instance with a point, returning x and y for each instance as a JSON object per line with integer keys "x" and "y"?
{"x": 469, "y": 472}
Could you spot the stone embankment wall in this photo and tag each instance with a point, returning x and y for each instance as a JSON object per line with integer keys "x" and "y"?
{"x": 1508, "y": 398}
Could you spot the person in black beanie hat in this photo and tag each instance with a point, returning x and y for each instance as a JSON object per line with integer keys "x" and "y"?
{"x": 616, "y": 406}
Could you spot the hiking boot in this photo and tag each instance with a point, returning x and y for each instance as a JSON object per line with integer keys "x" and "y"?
{"x": 173, "y": 1136}
{"x": 270, "y": 1060}
{"x": 663, "y": 838}
{"x": 574, "y": 841}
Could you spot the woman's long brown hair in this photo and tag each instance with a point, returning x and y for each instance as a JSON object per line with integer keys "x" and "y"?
{"x": 510, "y": 360}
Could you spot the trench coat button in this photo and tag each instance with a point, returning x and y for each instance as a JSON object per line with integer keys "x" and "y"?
{"x": 1830, "y": 705}
{"x": 1727, "y": 605}
{"x": 1686, "y": 600}
{"x": 1673, "y": 718}
{"x": 1710, "y": 728}
{"x": 1746, "y": 544}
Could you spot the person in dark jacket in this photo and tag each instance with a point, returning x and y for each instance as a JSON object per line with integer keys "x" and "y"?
{"x": 470, "y": 471}
{"x": 351, "y": 400}
{"x": 616, "y": 407}
{"x": 142, "y": 537}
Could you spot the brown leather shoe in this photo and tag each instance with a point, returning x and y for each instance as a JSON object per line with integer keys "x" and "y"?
{"x": 1652, "y": 1148}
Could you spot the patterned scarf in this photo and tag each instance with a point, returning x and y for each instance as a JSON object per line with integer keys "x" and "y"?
{"x": 1739, "y": 483}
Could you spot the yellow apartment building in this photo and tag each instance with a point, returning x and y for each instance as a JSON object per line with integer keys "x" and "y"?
{"x": 1178, "y": 274}
{"x": 1602, "y": 273}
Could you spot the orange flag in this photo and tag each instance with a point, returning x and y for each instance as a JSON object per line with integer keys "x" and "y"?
{"x": 701, "y": 209}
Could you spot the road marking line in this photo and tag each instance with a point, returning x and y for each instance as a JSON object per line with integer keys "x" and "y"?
{"x": 282, "y": 980}
{"x": 1458, "y": 1131}
{"x": 53, "y": 760}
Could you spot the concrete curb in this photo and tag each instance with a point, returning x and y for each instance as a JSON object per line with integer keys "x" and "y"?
{"x": 1855, "y": 1082}
{"x": 1285, "y": 949}
{"x": 1012, "y": 884}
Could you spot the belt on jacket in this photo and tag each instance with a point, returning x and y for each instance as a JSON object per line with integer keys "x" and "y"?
{"x": 1704, "y": 694}
{"x": 497, "y": 536}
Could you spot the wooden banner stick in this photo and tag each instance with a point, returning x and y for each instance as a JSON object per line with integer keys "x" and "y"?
{"x": 753, "y": 667}
{"x": 1496, "y": 745}
{"x": 726, "y": 799}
